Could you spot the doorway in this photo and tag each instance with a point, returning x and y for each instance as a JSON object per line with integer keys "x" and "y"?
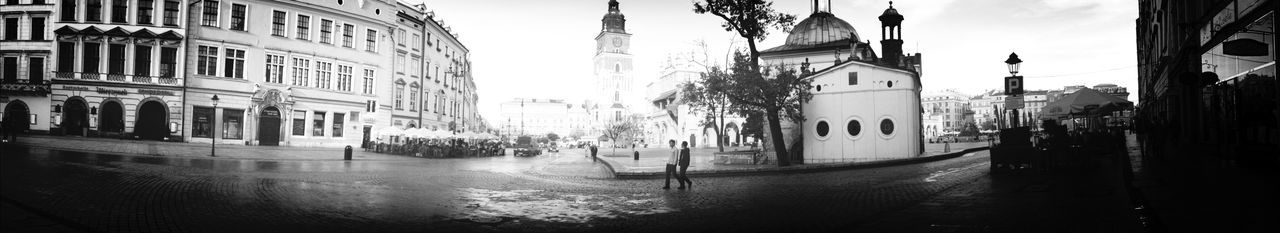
{"x": 269, "y": 127}
{"x": 367, "y": 133}
{"x": 17, "y": 115}
{"x": 152, "y": 122}
{"x": 76, "y": 118}
{"x": 112, "y": 120}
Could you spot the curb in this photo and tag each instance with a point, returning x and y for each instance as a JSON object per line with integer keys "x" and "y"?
{"x": 797, "y": 169}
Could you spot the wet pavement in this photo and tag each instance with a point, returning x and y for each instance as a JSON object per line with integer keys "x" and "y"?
{"x": 561, "y": 192}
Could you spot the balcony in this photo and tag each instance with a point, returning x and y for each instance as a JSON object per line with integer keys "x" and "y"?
{"x": 24, "y": 87}
{"x": 119, "y": 78}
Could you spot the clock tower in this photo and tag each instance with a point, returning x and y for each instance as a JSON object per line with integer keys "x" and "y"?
{"x": 613, "y": 67}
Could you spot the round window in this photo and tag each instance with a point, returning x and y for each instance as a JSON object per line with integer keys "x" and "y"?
{"x": 823, "y": 129}
{"x": 854, "y": 128}
{"x": 890, "y": 83}
{"x": 819, "y": 87}
{"x": 886, "y": 126}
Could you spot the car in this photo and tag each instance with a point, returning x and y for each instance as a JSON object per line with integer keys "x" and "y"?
{"x": 525, "y": 147}
{"x": 553, "y": 148}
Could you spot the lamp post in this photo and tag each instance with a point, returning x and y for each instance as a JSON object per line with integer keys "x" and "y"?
{"x": 1013, "y": 87}
{"x": 213, "y": 144}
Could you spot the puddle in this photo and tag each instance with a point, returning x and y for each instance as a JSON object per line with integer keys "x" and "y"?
{"x": 493, "y": 206}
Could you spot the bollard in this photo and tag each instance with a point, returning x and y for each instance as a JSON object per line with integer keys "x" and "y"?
{"x": 346, "y": 153}
{"x": 637, "y": 155}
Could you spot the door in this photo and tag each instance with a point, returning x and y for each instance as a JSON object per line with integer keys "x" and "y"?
{"x": 269, "y": 127}
{"x": 367, "y": 132}
{"x": 17, "y": 115}
{"x": 75, "y": 119}
{"x": 152, "y": 121}
{"x": 111, "y": 117}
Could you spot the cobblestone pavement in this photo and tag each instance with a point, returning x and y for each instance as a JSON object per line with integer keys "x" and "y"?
{"x": 562, "y": 192}
{"x": 654, "y": 160}
{"x": 202, "y": 150}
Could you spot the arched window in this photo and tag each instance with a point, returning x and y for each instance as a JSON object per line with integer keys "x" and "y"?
{"x": 617, "y": 68}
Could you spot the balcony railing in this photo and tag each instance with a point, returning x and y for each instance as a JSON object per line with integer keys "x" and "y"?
{"x": 119, "y": 78}
{"x": 24, "y": 87}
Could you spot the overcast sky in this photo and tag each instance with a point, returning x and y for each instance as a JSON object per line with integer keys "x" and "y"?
{"x": 543, "y": 48}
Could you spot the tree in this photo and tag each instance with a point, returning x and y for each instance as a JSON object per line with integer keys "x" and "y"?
{"x": 988, "y": 125}
{"x": 754, "y": 125}
{"x": 553, "y": 137}
{"x": 618, "y": 130}
{"x": 747, "y": 85}
{"x": 701, "y": 97}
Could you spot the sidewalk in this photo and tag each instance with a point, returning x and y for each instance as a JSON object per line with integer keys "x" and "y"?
{"x": 652, "y": 162}
{"x": 1198, "y": 192}
{"x": 183, "y": 149}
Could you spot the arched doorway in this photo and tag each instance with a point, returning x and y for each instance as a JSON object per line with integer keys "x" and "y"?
{"x": 17, "y": 115}
{"x": 269, "y": 127}
{"x": 111, "y": 118}
{"x": 75, "y": 117}
{"x": 692, "y": 141}
{"x": 152, "y": 121}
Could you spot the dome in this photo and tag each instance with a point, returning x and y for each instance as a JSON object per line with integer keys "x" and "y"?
{"x": 820, "y": 28}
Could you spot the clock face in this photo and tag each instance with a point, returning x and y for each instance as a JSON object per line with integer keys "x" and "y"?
{"x": 617, "y": 42}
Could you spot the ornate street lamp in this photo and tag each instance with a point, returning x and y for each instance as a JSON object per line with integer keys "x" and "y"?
{"x": 213, "y": 150}
{"x": 1013, "y": 88}
{"x": 1013, "y": 62}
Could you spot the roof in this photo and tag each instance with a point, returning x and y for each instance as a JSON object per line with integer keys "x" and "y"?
{"x": 821, "y": 28}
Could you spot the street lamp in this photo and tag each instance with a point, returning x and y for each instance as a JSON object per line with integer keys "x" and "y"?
{"x": 1013, "y": 62}
{"x": 1013, "y": 87}
{"x": 213, "y": 150}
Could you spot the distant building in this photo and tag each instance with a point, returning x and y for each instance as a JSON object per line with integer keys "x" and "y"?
{"x": 542, "y": 116}
{"x": 1114, "y": 90}
{"x": 669, "y": 118}
{"x": 946, "y": 111}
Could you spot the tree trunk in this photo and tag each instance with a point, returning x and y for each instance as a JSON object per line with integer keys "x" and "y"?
{"x": 775, "y": 131}
{"x": 719, "y": 129}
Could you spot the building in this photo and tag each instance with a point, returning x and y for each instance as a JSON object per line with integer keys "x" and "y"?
{"x": 613, "y": 67}
{"x": 945, "y": 112}
{"x": 118, "y": 70}
{"x": 25, "y": 46}
{"x": 433, "y": 88}
{"x": 297, "y": 73}
{"x": 668, "y": 118}
{"x": 858, "y": 88}
{"x": 543, "y": 116}
{"x": 1207, "y": 79}
{"x": 1112, "y": 89}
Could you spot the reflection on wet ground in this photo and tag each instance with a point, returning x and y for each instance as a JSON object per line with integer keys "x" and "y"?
{"x": 490, "y": 206}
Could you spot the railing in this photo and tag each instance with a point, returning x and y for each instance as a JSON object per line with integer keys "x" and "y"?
{"x": 119, "y": 78}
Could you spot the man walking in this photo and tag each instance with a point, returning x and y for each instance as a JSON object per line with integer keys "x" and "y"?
{"x": 671, "y": 165}
{"x": 682, "y": 177}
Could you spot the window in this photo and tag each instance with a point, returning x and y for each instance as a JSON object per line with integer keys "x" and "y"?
{"x": 171, "y": 13}
{"x": 206, "y": 60}
{"x": 417, "y": 42}
{"x": 168, "y": 61}
{"x": 275, "y": 68}
{"x": 238, "y": 12}
{"x": 299, "y": 123}
{"x": 853, "y": 78}
{"x": 94, "y": 13}
{"x": 35, "y": 69}
{"x": 371, "y": 40}
{"x": 317, "y": 124}
{"x": 67, "y": 57}
{"x": 400, "y": 36}
{"x": 324, "y": 71}
{"x": 68, "y": 10}
{"x": 91, "y": 58}
{"x": 37, "y": 28}
{"x": 854, "y": 127}
{"x": 304, "y": 27}
{"x": 146, "y": 9}
{"x": 277, "y": 23}
{"x": 141, "y": 60}
{"x": 368, "y": 81}
{"x": 415, "y": 67}
{"x": 348, "y": 32}
{"x": 439, "y": 107}
{"x": 202, "y": 127}
{"x": 120, "y": 11}
{"x": 399, "y": 103}
{"x": 116, "y": 64}
{"x": 301, "y": 71}
{"x": 344, "y": 78}
{"x": 232, "y": 123}
{"x": 326, "y": 31}
{"x": 886, "y": 127}
{"x": 11, "y": 29}
{"x": 234, "y": 63}
{"x": 413, "y": 97}
{"x": 210, "y": 15}
{"x": 338, "y": 120}
{"x": 399, "y": 63}
{"x": 10, "y": 69}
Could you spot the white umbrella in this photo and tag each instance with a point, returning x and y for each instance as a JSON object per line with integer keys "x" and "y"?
{"x": 416, "y": 133}
{"x": 390, "y": 131}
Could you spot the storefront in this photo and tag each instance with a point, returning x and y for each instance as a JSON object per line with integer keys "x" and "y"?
{"x": 1239, "y": 97}
{"x": 117, "y": 111}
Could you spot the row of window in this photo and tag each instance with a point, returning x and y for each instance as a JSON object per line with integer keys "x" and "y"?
{"x": 144, "y": 12}
{"x": 450, "y": 109}
{"x": 280, "y": 25}
{"x": 232, "y": 123}
{"x": 853, "y": 127}
{"x": 13, "y": 25}
{"x": 317, "y": 124}
{"x": 10, "y": 66}
{"x": 326, "y": 75}
{"x": 117, "y": 57}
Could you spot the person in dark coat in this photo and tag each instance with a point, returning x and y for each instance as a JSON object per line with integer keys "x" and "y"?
{"x": 683, "y": 177}
{"x": 593, "y": 152}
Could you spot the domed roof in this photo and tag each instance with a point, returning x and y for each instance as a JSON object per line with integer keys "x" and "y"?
{"x": 820, "y": 28}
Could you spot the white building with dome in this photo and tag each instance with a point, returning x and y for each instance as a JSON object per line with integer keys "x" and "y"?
{"x": 865, "y": 107}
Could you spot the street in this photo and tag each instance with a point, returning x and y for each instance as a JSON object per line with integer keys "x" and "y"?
{"x": 557, "y": 192}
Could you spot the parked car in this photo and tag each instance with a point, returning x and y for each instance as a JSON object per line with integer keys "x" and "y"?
{"x": 525, "y": 147}
{"x": 553, "y": 147}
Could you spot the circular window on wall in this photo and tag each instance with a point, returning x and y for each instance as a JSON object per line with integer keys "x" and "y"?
{"x": 818, "y": 87}
{"x": 890, "y": 83}
{"x": 886, "y": 127}
{"x": 823, "y": 129}
{"x": 854, "y": 127}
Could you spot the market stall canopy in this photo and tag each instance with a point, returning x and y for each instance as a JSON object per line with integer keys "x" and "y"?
{"x": 390, "y": 131}
{"x": 1084, "y": 102}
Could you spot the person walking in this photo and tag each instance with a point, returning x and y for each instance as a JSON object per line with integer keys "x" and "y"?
{"x": 672, "y": 160}
{"x": 593, "y": 152}
{"x": 683, "y": 162}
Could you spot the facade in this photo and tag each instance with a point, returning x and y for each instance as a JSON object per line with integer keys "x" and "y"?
{"x": 945, "y": 112}
{"x": 542, "y": 116}
{"x": 864, "y": 107}
{"x": 613, "y": 67}
{"x": 297, "y": 73}
{"x": 668, "y": 118}
{"x": 25, "y": 53}
{"x": 433, "y": 87}
{"x": 1112, "y": 89}
{"x": 118, "y": 70}
{"x": 1207, "y": 83}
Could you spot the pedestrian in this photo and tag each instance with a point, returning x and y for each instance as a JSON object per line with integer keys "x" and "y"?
{"x": 672, "y": 160}
{"x": 683, "y": 177}
{"x": 593, "y": 152}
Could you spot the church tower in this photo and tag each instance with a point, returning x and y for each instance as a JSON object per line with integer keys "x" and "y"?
{"x": 891, "y": 32}
{"x": 613, "y": 79}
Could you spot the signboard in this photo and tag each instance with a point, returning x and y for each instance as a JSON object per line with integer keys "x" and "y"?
{"x": 1013, "y": 85}
{"x": 1013, "y": 102}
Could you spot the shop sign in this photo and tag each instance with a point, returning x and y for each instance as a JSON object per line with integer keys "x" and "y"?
{"x": 77, "y": 88}
{"x": 112, "y": 91}
{"x": 154, "y": 92}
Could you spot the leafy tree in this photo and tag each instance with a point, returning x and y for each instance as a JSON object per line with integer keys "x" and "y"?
{"x": 553, "y": 137}
{"x": 620, "y": 130}
{"x": 988, "y": 125}
{"x": 754, "y": 125}
{"x": 747, "y": 86}
{"x": 712, "y": 101}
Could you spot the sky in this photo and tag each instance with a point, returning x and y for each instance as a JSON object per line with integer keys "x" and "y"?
{"x": 544, "y": 48}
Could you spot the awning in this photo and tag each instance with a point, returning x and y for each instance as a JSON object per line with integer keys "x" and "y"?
{"x": 1084, "y": 102}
